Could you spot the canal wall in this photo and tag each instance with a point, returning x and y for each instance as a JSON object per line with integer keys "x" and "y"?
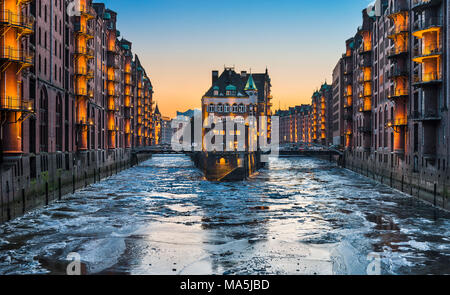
{"x": 29, "y": 182}
{"x": 433, "y": 188}
{"x": 227, "y": 166}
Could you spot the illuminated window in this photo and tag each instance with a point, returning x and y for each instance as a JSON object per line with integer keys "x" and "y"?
{"x": 235, "y": 108}
{"x": 241, "y": 108}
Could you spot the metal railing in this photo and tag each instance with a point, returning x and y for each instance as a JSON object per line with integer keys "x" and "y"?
{"x": 84, "y": 51}
{"x": 397, "y": 50}
{"x": 17, "y": 20}
{"x": 401, "y": 28}
{"x": 397, "y": 122}
{"x": 78, "y": 28}
{"x": 428, "y": 77}
{"x": 428, "y": 49}
{"x": 17, "y": 55}
{"x": 398, "y": 93}
{"x": 428, "y": 22}
{"x": 16, "y": 104}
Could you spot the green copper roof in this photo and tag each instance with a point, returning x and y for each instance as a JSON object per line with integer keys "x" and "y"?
{"x": 216, "y": 87}
{"x": 107, "y": 16}
{"x": 230, "y": 87}
{"x": 250, "y": 84}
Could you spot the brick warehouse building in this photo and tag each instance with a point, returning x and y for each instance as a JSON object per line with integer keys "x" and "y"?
{"x": 73, "y": 100}
{"x": 396, "y": 120}
{"x": 295, "y": 124}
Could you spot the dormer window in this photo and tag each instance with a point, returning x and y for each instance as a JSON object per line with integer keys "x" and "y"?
{"x": 230, "y": 90}
{"x": 216, "y": 91}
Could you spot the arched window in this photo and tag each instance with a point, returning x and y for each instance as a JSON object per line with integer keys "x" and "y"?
{"x": 235, "y": 108}
{"x": 241, "y": 108}
{"x": 43, "y": 120}
{"x": 227, "y": 108}
{"x": 220, "y": 108}
{"x": 59, "y": 123}
{"x": 211, "y": 108}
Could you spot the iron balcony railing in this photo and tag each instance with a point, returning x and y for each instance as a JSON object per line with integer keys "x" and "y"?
{"x": 421, "y": 3}
{"x": 428, "y": 77}
{"x": 397, "y": 51}
{"x": 16, "y": 55}
{"x": 428, "y": 49}
{"x": 398, "y": 71}
{"x": 84, "y": 51}
{"x": 428, "y": 115}
{"x": 10, "y": 103}
{"x": 397, "y": 122}
{"x": 16, "y": 20}
{"x": 82, "y": 29}
{"x": 399, "y": 6}
{"x": 87, "y": 10}
{"x": 398, "y": 29}
{"x": 427, "y": 23}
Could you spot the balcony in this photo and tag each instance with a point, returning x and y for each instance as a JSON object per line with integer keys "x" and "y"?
{"x": 81, "y": 92}
{"x": 85, "y": 122}
{"x": 112, "y": 93}
{"x": 84, "y": 30}
{"x": 112, "y": 107}
{"x": 398, "y": 29}
{"x": 397, "y": 123}
{"x": 84, "y": 51}
{"x": 398, "y": 71}
{"x": 398, "y": 93}
{"x": 424, "y": 4}
{"x": 112, "y": 78}
{"x": 87, "y": 11}
{"x": 428, "y": 115}
{"x": 16, "y": 55}
{"x": 431, "y": 78}
{"x": 399, "y": 7}
{"x": 19, "y": 21}
{"x": 430, "y": 24}
{"x": 365, "y": 108}
{"x": 432, "y": 50}
{"x": 14, "y": 104}
{"x": 397, "y": 52}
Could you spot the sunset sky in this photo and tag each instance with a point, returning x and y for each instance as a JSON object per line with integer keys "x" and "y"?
{"x": 180, "y": 42}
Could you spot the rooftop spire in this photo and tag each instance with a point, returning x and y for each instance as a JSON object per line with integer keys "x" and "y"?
{"x": 250, "y": 84}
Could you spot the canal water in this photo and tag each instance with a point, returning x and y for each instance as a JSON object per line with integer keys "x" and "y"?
{"x": 297, "y": 216}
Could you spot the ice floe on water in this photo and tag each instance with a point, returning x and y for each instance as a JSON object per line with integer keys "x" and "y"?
{"x": 297, "y": 216}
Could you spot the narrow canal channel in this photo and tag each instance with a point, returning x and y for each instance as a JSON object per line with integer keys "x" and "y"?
{"x": 297, "y": 216}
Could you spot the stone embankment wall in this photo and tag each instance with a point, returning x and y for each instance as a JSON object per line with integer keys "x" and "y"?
{"x": 33, "y": 181}
{"x": 432, "y": 187}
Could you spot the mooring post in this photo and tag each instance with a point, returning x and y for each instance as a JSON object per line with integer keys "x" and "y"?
{"x": 435, "y": 194}
{"x": 46, "y": 193}
{"x": 59, "y": 189}
{"x": 403, "y": 180}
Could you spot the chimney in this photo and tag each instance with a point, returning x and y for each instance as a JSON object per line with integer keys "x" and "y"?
{"x": 215, "y": 76}
{"x": 244, "y": 74}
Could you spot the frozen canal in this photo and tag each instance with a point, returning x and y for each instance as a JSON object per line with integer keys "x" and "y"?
{"x": 298, "y": 216}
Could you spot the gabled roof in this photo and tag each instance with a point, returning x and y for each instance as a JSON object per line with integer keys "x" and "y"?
{"x": 230, "y": 77}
